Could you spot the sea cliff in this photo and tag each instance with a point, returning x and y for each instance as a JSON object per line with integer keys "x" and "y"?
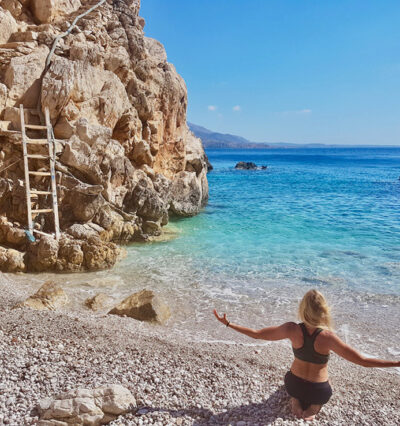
{"x": 126, "y": 159}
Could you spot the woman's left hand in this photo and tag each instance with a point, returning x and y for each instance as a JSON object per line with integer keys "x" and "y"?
{"x": 221, "y": 318}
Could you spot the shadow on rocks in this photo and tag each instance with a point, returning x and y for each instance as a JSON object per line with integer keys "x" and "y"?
{"x": 274, "y": 407}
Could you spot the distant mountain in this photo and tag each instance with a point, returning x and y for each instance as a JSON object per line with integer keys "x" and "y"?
{"x": 226, "y": 141}
{"x": 221, "y": 140}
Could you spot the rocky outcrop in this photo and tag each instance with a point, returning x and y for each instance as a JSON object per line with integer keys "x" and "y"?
{"x": 50, "y": 296}
{"x": 125, "y": 156}
{"x": 143, "y": 306}
{"x": 244, "y": 165}
{"x": 86, "y": 406}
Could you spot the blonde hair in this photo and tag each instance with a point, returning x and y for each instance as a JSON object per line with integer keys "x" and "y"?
{"x": 314, "y": 310}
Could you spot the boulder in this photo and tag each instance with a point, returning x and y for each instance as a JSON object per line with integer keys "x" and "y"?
{"x": 50, "y": 296}
{"x": 70, "y": 256}
{"x": 43, "y": 254}
{"x": 115, "y": 227}
{"x": 11, "y": 235}
{"x": 155, "y": 49}
{"x": 143, "y": 306}
{"x": 99, "y": 255}
{"x": 146, "y": 199}
{"x": 82, "y": 231}
{"x": 86, "y": 406}
{"x": 142, "y": 154}
{"x": 98, "y": 302}
{"x": 8, "y": 25}
{"x": 47, "y": 10}
{"x": 11, "y": 260}
{"x": 22, "y": 77}
{"x": 151, "y": 228}
{"x": 186, "y": 194}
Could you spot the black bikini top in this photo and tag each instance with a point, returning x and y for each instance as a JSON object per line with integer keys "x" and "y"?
{"x": 307, "y": 352}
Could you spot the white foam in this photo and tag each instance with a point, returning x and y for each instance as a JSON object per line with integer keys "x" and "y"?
{"x": 393, "y": 352}
{"x": 232, "y": 342}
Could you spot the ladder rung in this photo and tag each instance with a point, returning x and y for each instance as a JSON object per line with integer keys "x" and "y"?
{"x": 37, "y": 141}
{"x": 35, "y": 127}
{"x": 40, "y": 173}
{"x": 43, "y": 157}
{"x": 42, "y": 211}
{"x": 33, "y": 191}
{"x": 43, "y": 233}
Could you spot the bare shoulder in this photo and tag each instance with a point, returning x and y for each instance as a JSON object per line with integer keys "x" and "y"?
{"x": 290, "y": 327}
{"x": 328, "y": 337}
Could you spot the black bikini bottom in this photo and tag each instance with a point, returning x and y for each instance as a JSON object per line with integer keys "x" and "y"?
{"x": 307, "y": 392}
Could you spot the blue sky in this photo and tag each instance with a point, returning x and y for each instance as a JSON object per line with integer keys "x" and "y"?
{"x": 313, "y": 71}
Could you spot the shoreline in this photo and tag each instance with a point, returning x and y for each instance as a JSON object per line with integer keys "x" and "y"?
{"x": 175, "y": 381}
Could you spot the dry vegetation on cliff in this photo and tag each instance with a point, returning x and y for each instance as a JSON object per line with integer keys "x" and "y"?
{"x": 126, "y": 158}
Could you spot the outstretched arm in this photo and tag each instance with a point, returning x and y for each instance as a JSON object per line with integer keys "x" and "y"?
{"x": 350, "y": 354}
{"x": 270, "y": 333}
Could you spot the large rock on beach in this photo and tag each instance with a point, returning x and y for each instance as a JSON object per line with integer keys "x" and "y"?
{"x": 143, "y": 306}
{"x": 125, "y": 156}
{"x": 86, "y": 406}
{"x": 50, "y": 296}
{"x": 98, "y": 302}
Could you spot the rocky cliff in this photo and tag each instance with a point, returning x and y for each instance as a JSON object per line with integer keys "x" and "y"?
{"x": 126, "y": 159}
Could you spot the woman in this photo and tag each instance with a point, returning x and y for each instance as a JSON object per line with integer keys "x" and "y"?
{"x": 312, "y": 340}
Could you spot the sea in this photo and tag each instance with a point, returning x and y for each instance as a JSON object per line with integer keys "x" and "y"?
{"x": 324, "y": 218}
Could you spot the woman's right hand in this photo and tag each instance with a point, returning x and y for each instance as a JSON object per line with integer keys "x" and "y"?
{"x": 221, "y": 318}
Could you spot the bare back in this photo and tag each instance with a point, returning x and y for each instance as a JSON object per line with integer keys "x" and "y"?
{"x": 308, "y": 370}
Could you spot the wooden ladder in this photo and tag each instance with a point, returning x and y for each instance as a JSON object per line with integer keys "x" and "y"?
{"x": 33, "y": 193}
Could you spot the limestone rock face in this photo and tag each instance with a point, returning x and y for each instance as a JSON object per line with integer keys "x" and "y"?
{"x": 143, "y": 306}
{"x": 126, "y": 158}
{"x": 50, "y": 296}
{"x": 86, "y": 406}
{"x": 22, "y": 77}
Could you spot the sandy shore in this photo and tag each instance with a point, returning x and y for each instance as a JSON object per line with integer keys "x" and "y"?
{"x": 174, "y": 381}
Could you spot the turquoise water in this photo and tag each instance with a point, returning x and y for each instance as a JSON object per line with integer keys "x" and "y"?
{"x": 317, "y": 216}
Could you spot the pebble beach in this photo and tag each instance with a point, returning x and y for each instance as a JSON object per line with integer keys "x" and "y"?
{"x": 174, "y": 381}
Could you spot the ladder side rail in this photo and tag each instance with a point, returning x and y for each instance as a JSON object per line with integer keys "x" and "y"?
{"x": 51, "y": 147}
{"x": 26, "y": 170}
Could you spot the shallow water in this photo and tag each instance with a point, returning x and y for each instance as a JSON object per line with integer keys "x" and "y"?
{"x": 316, "y": 218}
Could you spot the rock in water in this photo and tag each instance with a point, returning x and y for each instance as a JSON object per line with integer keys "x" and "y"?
{"x": 98, "y": 302}
{"x": 86, "y": 406}
{"x": 143, "y": 306}
{"x": 243, "y": 165}
{"x": 50, "y": 296}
